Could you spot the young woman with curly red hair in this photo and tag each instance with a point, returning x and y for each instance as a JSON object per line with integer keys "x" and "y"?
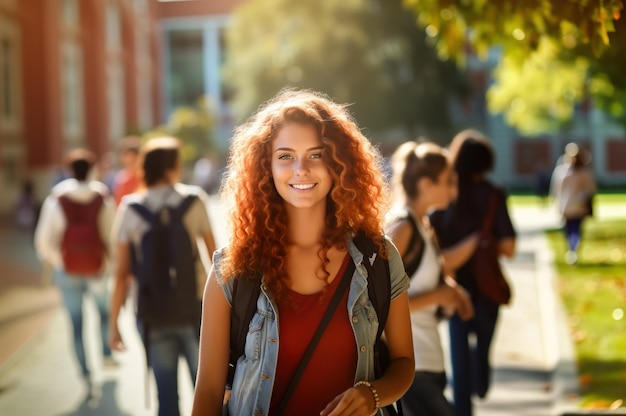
{"x": 302, "y": 181}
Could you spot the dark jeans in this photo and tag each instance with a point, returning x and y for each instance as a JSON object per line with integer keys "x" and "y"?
{"x": 471, "y": 372}
{"x": 572, "y": 232}
{"x": 166, "y": 344}
{"x": 425, "y": 396}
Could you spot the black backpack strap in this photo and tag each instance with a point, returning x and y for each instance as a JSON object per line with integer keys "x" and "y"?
{"x": 379, "y": 282}
{"x": 410, "y": 258}
{"x": 143, "y": 211}
{"x": 379, "y": 292}
{"x": 181, "y": 209}
{"x": 246, "y": 291}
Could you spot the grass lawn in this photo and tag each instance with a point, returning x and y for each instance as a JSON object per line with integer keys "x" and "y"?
{"x": 594, "y": 294}
{"x": 532, "y": 200}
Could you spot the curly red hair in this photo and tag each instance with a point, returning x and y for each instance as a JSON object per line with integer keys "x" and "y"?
{"x": 356, "y": 203}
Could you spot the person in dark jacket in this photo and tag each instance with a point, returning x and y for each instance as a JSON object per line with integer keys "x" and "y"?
{"x": 472, "y": 158}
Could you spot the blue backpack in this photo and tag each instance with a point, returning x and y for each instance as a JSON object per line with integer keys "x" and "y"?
{"x": 164, "y": 265}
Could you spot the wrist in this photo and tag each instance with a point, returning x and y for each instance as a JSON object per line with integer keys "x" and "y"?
{"x": 373, "y": 391}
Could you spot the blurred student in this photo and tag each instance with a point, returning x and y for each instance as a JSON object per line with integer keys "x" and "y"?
{"x": 573, "y": 186}
{"x": 423, "y": 181}
{"x": 156, "y": 233}
{"x": 128, "y": 179}
{"x": 71, "y": 236}
{"x": 27, "y": 207}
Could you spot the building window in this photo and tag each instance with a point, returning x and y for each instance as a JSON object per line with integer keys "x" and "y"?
{"x": 615, "y": 149}
{"x": 144, "y": 73}
{"x": 7, "y": 99}
{"x": 186, "y": 66}
{"x": 9, "y": 77}
{"x": 115, "y": 93}
{"x": 533, "y": 156}
{"x": 69, "y": 13}
{"x": 141, "y": 6}
{"x": 72, "y": 87}
{"x": 115, "y": 73}
{"x": 113, "y": 28}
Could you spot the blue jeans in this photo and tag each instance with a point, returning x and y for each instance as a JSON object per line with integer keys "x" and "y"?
{"x": 425, "y": 396}
{"x": 165, "y": 345}
{"x": 471, "y": 372}
{"x": 74, "y": 289}
{"x": 572, "y": 232}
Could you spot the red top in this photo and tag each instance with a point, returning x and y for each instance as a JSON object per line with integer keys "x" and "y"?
{"x": 332, "y": 366}
{"x": 124, "y": 183}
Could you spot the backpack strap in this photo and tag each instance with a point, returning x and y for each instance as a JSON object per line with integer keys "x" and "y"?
{"x": 379, "y": 292}
{"x": 246, "y": 291}
{"x": 178, "y": 212}
{"x": 412, "y": 257}
{"x": 379, "y": 282}
{"x": 144, "y": 212}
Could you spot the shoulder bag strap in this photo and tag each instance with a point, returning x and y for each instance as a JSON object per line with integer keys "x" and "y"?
{"x": 330, "y": 311}
{"x": 490, "y": 215}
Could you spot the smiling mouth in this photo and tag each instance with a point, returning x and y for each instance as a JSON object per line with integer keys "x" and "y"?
{"x": 302, "y": 186}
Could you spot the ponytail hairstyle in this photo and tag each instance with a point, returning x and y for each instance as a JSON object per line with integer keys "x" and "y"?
{"x": 413, "y": 161}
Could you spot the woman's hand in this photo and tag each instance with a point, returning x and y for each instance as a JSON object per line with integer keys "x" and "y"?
{"x": 356, "y": 401}
{"x": 115, "y": 339}
{"x": 462, "y": 301}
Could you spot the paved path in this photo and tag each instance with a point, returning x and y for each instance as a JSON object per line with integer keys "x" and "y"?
{"x": 38, "y": 375}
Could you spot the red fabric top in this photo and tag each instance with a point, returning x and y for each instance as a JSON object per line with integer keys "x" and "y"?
{"x": 333, "y": 364}
{"x": 124, "y": 183}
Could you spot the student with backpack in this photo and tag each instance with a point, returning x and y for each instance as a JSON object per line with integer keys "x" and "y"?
{"x": 422, "y": 180}
{"x": 71, "y": 237}
{"x": 302, "y": 184}
{"x": 157, "y": 232}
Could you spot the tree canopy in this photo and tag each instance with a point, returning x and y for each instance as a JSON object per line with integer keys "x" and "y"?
{"x": 517, "y": 25}
{"x": 555, "y": 54}
{"x": 366, "y": 52}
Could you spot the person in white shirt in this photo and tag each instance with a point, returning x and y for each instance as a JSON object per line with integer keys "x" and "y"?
{"x": 49, "y": 236}
{"x": 422, "y": 181}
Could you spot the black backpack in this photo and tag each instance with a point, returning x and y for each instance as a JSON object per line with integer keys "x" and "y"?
{"x": 165, "y": 268}
{"x": 246, "y": 291}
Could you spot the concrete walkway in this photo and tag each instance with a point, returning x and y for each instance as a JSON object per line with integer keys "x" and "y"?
{"x": 532, "y": 355}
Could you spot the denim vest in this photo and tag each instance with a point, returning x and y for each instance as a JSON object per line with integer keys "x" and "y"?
{"x": 254, "y": 377}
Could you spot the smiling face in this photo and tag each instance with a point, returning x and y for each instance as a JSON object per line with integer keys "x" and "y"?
{"x": 300, "y": 174}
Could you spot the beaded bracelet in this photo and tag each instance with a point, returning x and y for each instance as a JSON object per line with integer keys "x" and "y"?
{"x": 371, "y": 389}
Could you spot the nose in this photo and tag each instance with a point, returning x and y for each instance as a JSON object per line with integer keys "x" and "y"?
{"x": 301, "y": 166}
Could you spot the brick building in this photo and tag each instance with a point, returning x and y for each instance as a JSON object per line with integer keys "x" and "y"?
{"x": 87, "y": 72}
{"x": 73, "y": 73}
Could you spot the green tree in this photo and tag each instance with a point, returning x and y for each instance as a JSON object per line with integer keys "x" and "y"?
{"x": 555, "y": 54}
{"x": 539, "y": 95}
{"x": 193, "y": 125}
{"x": 366, "y": 52}
{"x": 517, "y": 25}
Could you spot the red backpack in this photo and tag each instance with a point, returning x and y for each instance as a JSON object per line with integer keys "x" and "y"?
{"x": 82, "y": 248}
